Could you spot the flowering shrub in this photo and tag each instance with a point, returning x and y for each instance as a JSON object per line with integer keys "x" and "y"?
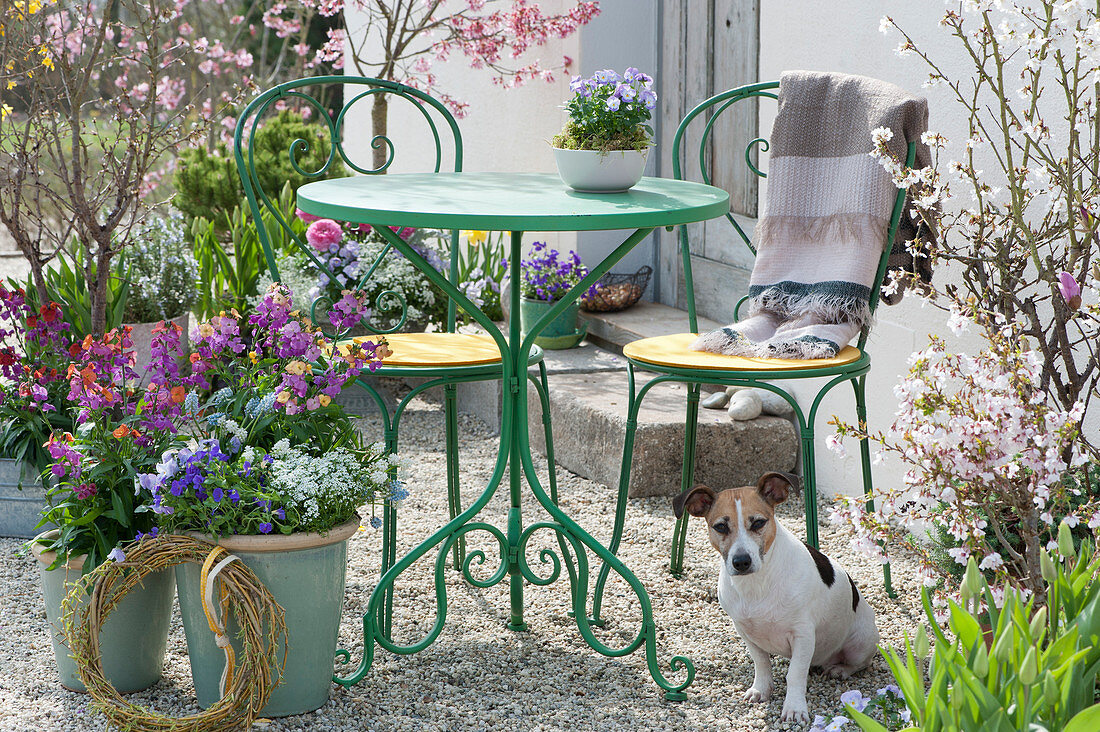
{"x": 609, "y": 112}
{"x": 986, "y": 455}
{"x": 272, "y": 450}
{"x": 1017, "y": 203}
{"x": 161, "y": 271}
{"x": 544, "y": 276}
{"x": 120, "y": 433}
{"x": 34, "y": 357}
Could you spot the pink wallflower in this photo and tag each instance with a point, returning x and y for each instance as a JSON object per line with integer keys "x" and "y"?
{"x": 323, "y": 233}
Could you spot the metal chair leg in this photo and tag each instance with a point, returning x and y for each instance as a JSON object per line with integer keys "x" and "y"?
{"x": 691, "y": 428}
{"x": 454, "y": 497}
{"x": 389, "y": 542}
{"x": 543, "y": 389}
{"x": 632, "y": 405}
{"x": 860, "y": 386}
{"x": 809, "y": 484}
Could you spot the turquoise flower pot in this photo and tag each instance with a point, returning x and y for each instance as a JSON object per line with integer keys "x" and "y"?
{"x": 133, "y": 639}
{"x": 560, "y": 333}
{"x": 305, "y": 573}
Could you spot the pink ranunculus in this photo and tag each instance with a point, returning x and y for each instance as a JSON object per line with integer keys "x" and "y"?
{"x": 308, "y": 218}
{"x": 323, "y": 233}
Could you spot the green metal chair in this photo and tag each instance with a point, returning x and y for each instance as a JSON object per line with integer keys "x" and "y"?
{"x": 443, "y": 359}
{"x": 670, "y": 358}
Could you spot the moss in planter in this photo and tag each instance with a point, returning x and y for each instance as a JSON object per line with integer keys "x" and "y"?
{"x": 572, "y": 138}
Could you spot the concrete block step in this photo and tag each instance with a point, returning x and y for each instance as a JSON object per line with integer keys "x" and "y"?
{"x": 612, "y": 331}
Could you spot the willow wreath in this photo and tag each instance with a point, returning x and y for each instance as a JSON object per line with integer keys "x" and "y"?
{"x": 263, "y": 631}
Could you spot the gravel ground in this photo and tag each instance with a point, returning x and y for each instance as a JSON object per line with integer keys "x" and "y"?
{"x": 479, "y": 675}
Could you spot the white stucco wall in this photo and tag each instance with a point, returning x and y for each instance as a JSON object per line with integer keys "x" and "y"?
{"x": 504, "y": 129}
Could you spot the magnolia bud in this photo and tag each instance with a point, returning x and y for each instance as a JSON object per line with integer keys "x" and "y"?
{"x": 1029, "y": 669}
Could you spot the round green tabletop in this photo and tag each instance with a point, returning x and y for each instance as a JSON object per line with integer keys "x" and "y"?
{"x": 507, "y": 202}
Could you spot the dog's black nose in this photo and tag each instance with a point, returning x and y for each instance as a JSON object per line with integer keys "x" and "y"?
{"x": 741, "y": 562}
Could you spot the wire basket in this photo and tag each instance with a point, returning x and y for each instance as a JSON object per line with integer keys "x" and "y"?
{"x": 614, "y": 292}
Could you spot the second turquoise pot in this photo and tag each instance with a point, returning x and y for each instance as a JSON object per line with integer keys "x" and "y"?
{"x": 305, "y": 573}
{"x": 133, "y": 639}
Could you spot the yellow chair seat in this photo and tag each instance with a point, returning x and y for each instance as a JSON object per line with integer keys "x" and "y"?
{"x": 438, "y": 349}
{"x": 672, "y": 350}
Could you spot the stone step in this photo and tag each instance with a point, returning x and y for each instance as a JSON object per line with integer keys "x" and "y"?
{"x": 612, "y": 331}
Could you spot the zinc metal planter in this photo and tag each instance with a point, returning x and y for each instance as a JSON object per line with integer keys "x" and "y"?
{"x": 20, "y": 509}
{"x": 133, "y": 639}
{"x": 305, "y": 573}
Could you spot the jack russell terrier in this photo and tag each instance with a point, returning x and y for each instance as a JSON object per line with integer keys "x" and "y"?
{"x": 785, "y": 597}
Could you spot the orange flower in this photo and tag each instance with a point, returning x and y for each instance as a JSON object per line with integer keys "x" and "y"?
{"x": 178, "y": 394}
{"x": 195, "y": 358}
{"x": 120, "y": 432}
{"x": 74, "y": 350}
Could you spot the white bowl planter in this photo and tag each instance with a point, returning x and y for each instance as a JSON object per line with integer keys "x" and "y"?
{"x": 593, "y": 171}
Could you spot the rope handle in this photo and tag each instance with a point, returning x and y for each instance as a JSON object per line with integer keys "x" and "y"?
{"x": 217, "y": 612}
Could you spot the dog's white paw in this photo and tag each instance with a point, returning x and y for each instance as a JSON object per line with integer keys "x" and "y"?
{"x": 757, "y": 696}
{"x": 795, "y": 712}
{"x": 838, "y": 672}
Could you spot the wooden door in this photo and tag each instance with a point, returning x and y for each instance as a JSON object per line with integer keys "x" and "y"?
{"x": 708, "y": 46}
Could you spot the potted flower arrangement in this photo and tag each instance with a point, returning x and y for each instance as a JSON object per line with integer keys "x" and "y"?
{"x": 603, "y": 147}
{"x": 34, "y": 356}
{"x": 96, "y": 503}
{"x": 341, "y": 253}
{"x": 545, "y": 276}
{"x": 161, "y": 272}
{"x": 274, "y": 473}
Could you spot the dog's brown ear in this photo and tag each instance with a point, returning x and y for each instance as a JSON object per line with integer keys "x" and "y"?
{"x": 776, "y": 487}
{"x": 697, "y": 501}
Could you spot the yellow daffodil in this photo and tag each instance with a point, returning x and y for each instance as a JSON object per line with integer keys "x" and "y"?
{"x": 474, "y": 238}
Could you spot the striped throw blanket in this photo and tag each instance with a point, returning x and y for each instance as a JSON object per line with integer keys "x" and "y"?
{"x": 826, "y": 217}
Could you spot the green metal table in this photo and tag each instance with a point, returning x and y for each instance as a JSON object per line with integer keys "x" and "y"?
{"x": 517, "y": 203}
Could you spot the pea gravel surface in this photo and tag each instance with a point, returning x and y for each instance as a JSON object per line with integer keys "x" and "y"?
{"x": 479, "y": 675}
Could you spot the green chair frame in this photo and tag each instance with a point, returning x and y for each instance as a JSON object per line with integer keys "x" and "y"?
{"x": 437, "y": 118}
{"x": 854, "y": 372}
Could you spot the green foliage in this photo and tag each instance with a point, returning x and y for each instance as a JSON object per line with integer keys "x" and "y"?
{"x": 1035, "y": 669}
{"x": 207, "y": 183}
{"x": 229, "y": 273}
